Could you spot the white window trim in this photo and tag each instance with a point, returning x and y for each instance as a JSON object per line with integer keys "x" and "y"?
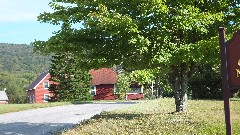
{"x": 44, "y": 85}
{"x": 142, "y": 89}
{"x": 44, "y": 97}
{"x": 94, "y": 89}
{"x": 115, "y": 88}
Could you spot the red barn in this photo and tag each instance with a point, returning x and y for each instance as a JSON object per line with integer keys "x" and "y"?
{"x": 38, "y": 91}
{"x": 103, "y": 84}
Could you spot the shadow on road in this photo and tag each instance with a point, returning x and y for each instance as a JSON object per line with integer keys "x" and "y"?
{"x": 25, "y": 128}
{"x": 41, "y": 122}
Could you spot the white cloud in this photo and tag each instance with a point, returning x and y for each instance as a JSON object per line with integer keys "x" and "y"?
{"x": 22, "y": 10}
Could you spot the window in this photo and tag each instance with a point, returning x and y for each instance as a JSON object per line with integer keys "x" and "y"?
{"x": 93, "y": 90}
{"x": 136, "y": 90}
{"x": 45, "y": 85}
{"x": 46, "y": 97}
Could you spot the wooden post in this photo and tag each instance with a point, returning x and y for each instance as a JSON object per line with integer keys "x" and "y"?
{"x": 224, "y": 74}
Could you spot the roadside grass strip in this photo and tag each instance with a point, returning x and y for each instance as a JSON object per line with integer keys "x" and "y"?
{"x": 6, "y": 108}
{"x": 156, "y": 117}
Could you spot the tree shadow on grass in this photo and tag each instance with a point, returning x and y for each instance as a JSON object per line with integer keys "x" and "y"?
{"x": 125, "y": 102}
{"x": 126, "y": 116}
{"x": 131, "y": 116}
{"x": 103, "y": 102}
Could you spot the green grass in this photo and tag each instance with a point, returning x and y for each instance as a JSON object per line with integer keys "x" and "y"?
{"x": 6, "y": 108}
{"x": 156, "y": 117}
{"x": 235, "y": 99}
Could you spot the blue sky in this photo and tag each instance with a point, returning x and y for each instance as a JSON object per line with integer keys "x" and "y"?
{"x": 18, "y": 21}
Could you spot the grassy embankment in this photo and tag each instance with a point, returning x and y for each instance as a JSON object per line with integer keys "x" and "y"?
{"x": 205, "y": 117}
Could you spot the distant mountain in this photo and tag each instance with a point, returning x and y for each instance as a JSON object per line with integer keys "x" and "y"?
{"x": 19, "y": 58}
{"x": 19, "y": 66}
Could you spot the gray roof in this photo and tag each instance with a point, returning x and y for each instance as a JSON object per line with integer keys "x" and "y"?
{"x": 38, "y": 80}
{"x": 3, "y": 95}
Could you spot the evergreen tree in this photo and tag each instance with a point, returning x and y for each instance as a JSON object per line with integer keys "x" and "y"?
{"x": 72, "y": 81}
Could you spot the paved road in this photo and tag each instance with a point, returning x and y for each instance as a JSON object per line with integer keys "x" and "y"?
{"x": 50, "y": 120}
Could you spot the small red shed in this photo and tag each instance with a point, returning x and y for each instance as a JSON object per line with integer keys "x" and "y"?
{"x": 136, "y": 92}
{"x": 103, "y": 84}
{"x": 38, "y": 91}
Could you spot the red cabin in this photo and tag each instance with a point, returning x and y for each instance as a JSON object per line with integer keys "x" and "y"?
{"x": 38, "y": 91}
{"x": 103, "y": 84}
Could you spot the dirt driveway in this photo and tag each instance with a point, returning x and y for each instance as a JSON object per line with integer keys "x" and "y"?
{"x": 50, "y": 120}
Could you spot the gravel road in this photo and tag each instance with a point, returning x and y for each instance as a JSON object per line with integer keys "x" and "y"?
{"x": 50, "y": 120}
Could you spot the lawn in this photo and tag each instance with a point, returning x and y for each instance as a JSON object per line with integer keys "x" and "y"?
{"x": 155, "y": 117}
{"x": 6, "y": 108}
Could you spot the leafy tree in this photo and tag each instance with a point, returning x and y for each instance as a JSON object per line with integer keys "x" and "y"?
{"x": 146, "y": 79}
{"x": 142, "y": 77}
{"x": 14, "y": 87}
{"x": 72, "y": 82}
{"x": 142, "y": 34}
{"x": 123, "y": 84}
{"x": 206, "y": 83}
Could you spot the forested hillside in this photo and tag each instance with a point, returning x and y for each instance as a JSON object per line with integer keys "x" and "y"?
{"x": 19, "y": 66}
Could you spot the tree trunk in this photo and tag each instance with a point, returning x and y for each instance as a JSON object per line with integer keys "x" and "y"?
{"x": 180, "y": 87}
{"x": 157, "y": 87}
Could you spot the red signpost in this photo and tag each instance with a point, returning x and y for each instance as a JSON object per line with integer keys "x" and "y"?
{"x": 230, "y": 71}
